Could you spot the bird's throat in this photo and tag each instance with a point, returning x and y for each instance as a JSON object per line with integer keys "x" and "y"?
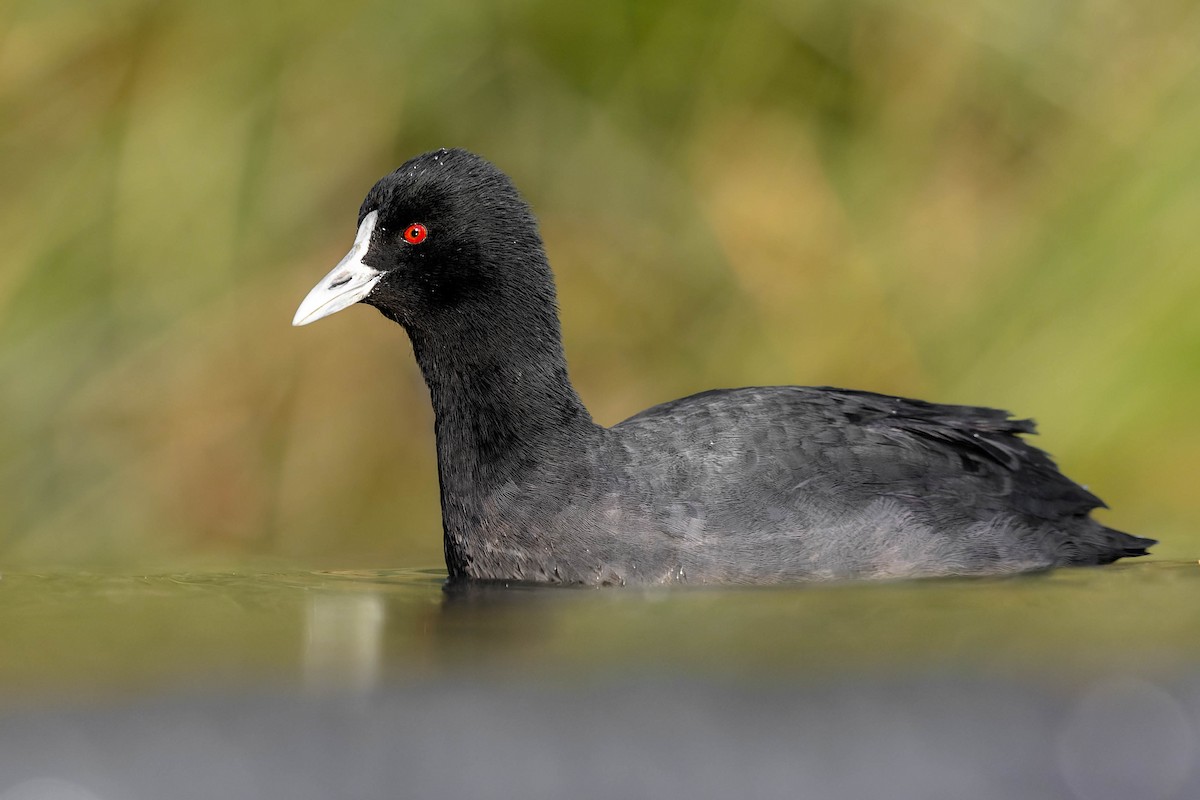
{"x": 500, "y": 408}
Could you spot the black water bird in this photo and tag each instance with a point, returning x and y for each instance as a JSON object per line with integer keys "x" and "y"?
{"x": 753, "y": 485}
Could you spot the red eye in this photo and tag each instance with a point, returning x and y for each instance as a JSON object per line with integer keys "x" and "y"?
{"x": 415, "y": 233}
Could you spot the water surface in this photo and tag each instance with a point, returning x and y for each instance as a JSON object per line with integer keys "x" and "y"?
{"x": 73, "y": 634}
{"x": 363, "y": 684}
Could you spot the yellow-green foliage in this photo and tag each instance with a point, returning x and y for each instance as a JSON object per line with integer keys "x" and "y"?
{"x": 992, "y": 202}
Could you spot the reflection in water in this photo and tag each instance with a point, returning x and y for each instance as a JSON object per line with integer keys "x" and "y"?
{"x": 949, "y": 688}
{"x": 343, "y": 638}
{"x": 359, "y": 627}
{"x": 460, "y": 594}
{"x": 96, "y": 634}
{"x": 504, "y": 616}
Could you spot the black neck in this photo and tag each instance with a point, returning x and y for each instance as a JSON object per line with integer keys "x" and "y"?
{"x": 502, "y": 402}
{"x": 504, "y": 412}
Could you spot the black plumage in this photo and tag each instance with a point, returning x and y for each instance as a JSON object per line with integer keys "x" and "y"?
{"x": 752, "y": 485}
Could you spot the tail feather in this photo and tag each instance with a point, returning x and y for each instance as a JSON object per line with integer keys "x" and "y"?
{"x": 1114, "y": 544}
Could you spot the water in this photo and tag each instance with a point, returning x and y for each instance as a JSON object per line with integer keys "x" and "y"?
{"x": 1036, "y": 685}
{"x": 93, "y": 634}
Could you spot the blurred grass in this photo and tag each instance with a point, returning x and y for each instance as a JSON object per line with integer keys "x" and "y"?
{"x": 983, "y": 202}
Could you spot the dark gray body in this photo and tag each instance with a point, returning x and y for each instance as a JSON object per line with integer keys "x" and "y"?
{"x": 844, "y": 485}
{"x": 757, "y": 485}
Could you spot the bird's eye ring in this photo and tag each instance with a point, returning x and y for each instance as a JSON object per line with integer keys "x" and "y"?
{"x": 415, "y": 233}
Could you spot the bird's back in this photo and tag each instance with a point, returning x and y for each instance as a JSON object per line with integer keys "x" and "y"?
{"x": 783, "y": 483}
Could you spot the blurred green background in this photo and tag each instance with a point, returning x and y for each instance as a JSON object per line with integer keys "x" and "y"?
{"x": 993, "y": 202}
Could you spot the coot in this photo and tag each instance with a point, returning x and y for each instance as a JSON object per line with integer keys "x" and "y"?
{"x": 752, "y": 485}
